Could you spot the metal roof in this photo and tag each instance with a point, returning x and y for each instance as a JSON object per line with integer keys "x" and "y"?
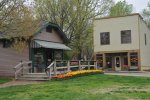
{"x": 52, "y": 45}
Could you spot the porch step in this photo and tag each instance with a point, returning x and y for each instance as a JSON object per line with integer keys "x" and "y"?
{"x": 34, "y": 76}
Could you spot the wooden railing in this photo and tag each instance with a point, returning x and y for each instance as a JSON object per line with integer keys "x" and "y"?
{"x": 67, "y": 66}
{"x": 22, "y": 68}
{"x": 49, "y": 69}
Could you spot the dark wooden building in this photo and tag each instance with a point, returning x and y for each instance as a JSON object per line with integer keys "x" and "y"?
{"x": 46, "y": 45}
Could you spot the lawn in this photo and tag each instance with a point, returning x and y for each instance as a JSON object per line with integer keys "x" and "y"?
{"x": 4, "y": 80}
{"x": 94, "y": 87}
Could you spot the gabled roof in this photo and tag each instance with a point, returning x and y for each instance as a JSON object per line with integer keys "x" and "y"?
{"x": 42, "y": 26}
{"x": 45, "y": 24}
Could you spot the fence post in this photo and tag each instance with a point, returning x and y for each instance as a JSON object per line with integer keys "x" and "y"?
{"x": 68, "y": 66}
{"x": 96, "y": 65}
{"x": 15, "y": 75}
{"x": 55, "y": 67}
{"x": 22, "y": 67}
{"x": 79, "y": 64}
{"x": 88, "y": 65}
{"x": 49, "y": 73}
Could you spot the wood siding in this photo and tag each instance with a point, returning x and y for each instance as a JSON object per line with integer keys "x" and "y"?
{"x": 53, "y": 36}
{"x": 9, "y": 58}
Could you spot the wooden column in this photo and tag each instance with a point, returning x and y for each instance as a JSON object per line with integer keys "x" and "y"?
{"x": 55, "y": 69}
{"x": 129, "y": 61}
{"x": 104, "y": 60}
{"x": 139, "y": 60}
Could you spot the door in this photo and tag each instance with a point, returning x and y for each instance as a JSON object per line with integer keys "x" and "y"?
{"x": 39, "y": 60}
{"x": 117, "y": 63}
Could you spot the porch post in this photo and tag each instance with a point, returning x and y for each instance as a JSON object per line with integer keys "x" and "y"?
{"x": 129, "y": 61}
{"x": 62, "y": 54}
{"x": 139, "y": 60}
{"x": 55, "y": 69}
{"x": 104, "y": 60}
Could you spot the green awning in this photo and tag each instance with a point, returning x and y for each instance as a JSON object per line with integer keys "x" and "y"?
{"x": 52, "y": 45}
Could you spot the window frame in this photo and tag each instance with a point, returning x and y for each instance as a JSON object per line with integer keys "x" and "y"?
{"x": 126, "y": 37}
{"x": 105, "y": 41}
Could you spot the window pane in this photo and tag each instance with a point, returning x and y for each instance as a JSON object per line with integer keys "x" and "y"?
{"x": 134, "y": 59}
{"x": 126, "y": 36}
{"x": 104, "y": 36}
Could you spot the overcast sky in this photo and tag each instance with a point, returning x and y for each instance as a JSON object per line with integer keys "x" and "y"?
{"x": 138, "y": 5}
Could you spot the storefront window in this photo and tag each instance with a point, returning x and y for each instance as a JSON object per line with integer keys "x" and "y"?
{"x": 134, "y": 59}
{"x": 109, "y": 61}
{"x": 99, "y": 58}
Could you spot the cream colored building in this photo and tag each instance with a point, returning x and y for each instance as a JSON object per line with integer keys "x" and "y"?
{"x": 122, "y": 43}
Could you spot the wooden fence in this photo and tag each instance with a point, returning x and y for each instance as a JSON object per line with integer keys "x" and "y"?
{"x": 22, "y": 68}
{"x": 67, "y": 66}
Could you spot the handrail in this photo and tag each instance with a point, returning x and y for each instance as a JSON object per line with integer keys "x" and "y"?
{"x": 20, "y": 68}
{"x": 49, "y": 69}
{"x": 81, "y": 64}
{"x": 50, "y": 65}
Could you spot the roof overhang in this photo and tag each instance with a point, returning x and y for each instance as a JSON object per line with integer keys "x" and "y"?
{"x": 52, "y": 45}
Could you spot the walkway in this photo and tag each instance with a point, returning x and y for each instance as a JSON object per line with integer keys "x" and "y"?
{"x": 18, "y": 82}
{"x": 128, "y": 73}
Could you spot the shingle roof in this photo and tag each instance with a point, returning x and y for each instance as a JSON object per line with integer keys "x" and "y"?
{"x": 42, "y": 26}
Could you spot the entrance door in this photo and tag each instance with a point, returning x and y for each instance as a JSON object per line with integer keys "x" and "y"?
{"x": 117, "y": 63}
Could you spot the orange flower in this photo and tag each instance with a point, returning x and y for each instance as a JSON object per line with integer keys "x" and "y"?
{"x": 70, "y": 74}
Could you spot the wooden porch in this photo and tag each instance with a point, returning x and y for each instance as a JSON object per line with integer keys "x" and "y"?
{"x": 23, "y": 71}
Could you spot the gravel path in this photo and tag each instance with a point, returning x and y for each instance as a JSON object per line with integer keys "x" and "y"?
{"x": 18, "y": 82}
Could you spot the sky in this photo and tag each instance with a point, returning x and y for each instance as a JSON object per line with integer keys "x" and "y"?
{"x": 138, "y": 5}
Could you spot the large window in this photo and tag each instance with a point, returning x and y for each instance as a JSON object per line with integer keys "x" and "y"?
{"x": 105, "y": 38}
{"x": 126, "y": 36}
{"x": 134, "y": 59}
{"x": 99, "y": 58}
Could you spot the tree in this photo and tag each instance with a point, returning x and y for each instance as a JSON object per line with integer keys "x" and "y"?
{"x": 121, "y": 8}
{"x": 16, "y": 20}
{"x": 75, "y": 17}
{"x": 146, "y": 15}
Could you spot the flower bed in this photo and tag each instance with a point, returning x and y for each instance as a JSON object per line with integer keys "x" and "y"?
{"x": 77, "y": 74}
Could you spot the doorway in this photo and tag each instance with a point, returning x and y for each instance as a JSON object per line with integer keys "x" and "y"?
{"x": 118, "y": 63}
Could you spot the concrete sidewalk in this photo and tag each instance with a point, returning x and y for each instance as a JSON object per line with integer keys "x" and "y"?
{"x": 129, "y": 73}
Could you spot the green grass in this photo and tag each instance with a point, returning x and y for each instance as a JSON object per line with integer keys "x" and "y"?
{"x": 93, "y": 87}
{"x": 4, "y": 80}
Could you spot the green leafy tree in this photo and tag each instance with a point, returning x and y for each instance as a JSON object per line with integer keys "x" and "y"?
{"x": 75, "y": 17}
{"x": 16, "y": 20}
{"x": 146, "y": 15}
{"x": 121, "y": 8}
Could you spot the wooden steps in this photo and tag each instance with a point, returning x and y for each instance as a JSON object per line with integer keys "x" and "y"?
{"x": 35, "y": 76}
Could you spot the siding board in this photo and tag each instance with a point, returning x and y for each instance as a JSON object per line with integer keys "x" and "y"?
{"x": 9, "y": 58}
